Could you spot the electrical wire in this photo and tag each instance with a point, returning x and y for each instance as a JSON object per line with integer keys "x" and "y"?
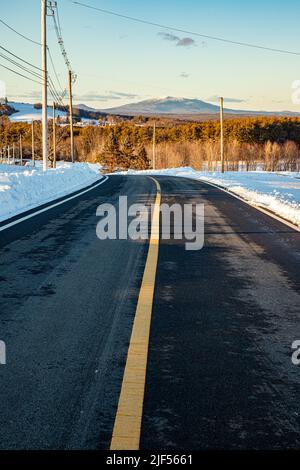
{"x": 52, "y": 87}
{"x": 20, "y": 34}
{"x": 57, "y": 96}
{"x": 61, "y": 41}
{"x": 193, "y": 33}
{"x": 20, "y": 58}
{"x": 22, "y": 67}
{"x": 21, "y": 75}
{"x": 63, "y": 91}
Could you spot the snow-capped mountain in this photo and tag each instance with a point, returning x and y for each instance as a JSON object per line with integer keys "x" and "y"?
{"x": 170, "y": 105}
{"x": 182, "y": 106}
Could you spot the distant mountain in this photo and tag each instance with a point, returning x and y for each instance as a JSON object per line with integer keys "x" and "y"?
{"x": 181, "y": 106}
{"x": 86, "y": 108}
{"x": 168, "y": 105}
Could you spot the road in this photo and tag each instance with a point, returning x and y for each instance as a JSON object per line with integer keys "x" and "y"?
{"x": 219, "y": 372}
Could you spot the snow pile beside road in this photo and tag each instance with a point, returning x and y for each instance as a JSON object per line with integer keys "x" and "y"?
{"x": 277, "y": 192}
{"x": 23, "y": 188}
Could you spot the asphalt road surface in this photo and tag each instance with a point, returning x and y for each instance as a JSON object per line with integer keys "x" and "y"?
{"x": 219, "y": 372}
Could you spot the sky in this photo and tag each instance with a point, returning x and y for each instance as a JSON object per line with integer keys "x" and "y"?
{"x": 118, "y": 61}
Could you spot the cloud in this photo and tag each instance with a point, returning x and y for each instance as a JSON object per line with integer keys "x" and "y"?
{"x": 120, "y": 95}
{"x": 108, "y": 95}
{"x": 216, "y": 98}
{"x": 184, "y": 75}
{"x": 169, "y": 37}
{"x": 184, "y": 42}
{"x": 32, "y": 95}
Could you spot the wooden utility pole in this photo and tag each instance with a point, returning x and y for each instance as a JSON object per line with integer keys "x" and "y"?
{"x": 45, "y": 83}
{"x": 21, "y": 151}
{"x": 222, "y": 134}
{"x": 154, "y": 147}
{"x": 32, "y": 143}
{"x": 54, "y": 137}
{"x": 71, "y": 116}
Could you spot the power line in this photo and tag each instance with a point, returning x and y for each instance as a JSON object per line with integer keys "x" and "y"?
{"x": 63, "y": 91}
{"x": 53, "y": 90}
{"x": 20, "y": 58}
{"x": 28, "y": 63}
{"x": 20, "y": 34}
{"x": 58, "y": 21}
{"x": 60, "y": 40}
{"x": 25, "y": 69}
{"x": 35, "y": 74}
{"x": 56, "y": 97}
{"x": 193, "y": 33}
{"x": 20, "y": 74}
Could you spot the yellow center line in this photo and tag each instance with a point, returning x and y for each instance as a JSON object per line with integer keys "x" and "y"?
{"x": 128, "y": 420}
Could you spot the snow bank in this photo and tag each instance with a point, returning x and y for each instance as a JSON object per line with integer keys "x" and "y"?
{"x": 23, "y": 188}
{"x": 277, "y": 192}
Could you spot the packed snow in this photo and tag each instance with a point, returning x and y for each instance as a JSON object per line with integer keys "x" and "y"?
{"x": 277, "y": 192}
{"x": 26, "y": 187}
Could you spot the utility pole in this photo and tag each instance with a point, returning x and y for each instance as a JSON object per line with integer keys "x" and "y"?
{"x": 21, "y": 151}
{"x": 44, "y": 89}
{"x": 222, "y": 134}
{"x": 32, "y": 143}
{"x": 54, "y": 137}
{"x": 154, "y": 147}
{"x": 13, "y": 154}
{"x": 71, "y": 115}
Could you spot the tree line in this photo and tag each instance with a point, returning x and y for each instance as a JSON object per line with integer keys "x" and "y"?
{"x": 273, "y": 141}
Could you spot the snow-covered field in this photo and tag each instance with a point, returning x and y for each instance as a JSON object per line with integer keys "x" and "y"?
{"x": 277, "y": 192}
{"x": 23, "y": 188}
{"x": 27, "y": 112}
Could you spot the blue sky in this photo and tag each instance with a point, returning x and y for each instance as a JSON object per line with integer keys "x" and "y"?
{"x": 118, "y": 61}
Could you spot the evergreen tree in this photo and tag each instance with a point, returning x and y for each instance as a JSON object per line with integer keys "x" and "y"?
{"x": 127, "y": 151}
{"x": 140, "y": 160}
{"x": 111, "y": 155}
